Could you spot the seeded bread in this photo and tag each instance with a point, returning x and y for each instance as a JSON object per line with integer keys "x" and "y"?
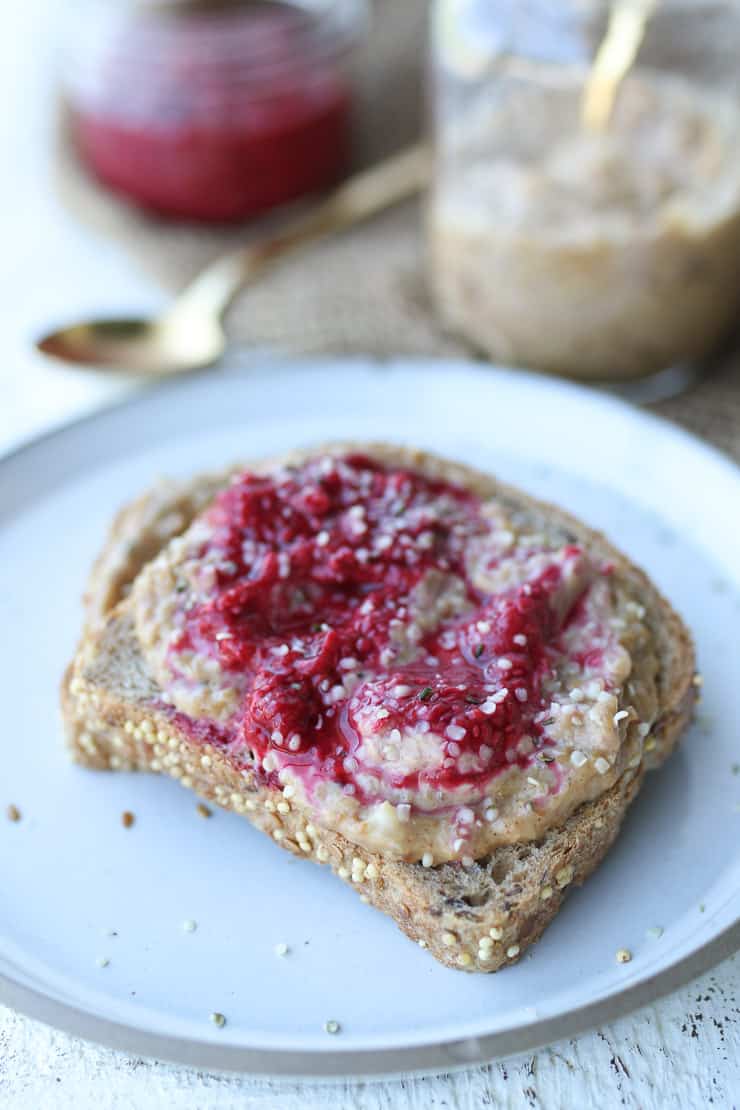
{"x": 139, "y": 531}
{"x": 476, "y": 917}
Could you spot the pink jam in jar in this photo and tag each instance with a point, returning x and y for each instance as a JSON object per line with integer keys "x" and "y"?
{"x": 214, "y": 112}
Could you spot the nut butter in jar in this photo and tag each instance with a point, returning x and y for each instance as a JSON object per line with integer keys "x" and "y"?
{"x": 607, "y": 250}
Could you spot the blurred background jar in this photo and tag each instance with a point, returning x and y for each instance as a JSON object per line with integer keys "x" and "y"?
{"x": 601, "y": 244}
{"x": 212, "y": 110}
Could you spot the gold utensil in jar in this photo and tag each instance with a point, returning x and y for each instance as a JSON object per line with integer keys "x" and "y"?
{"x": 614, "y": 59}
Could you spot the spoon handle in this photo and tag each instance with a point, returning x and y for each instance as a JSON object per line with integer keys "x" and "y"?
{"x": 359, "y": 198}
{"x": 615, "y": 57}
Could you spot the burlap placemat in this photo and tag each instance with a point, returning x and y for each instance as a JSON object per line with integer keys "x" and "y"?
{"x": 363, "y": 292}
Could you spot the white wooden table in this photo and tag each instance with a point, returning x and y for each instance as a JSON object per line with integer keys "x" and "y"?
{"x": 683, "y": 1051}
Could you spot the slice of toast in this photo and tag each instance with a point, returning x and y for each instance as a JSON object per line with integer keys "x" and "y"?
{"x": 139, "y": 531}
{"x": 474, "y": 916}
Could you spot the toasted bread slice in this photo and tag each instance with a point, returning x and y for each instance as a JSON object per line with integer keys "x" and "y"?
{"x": 475, "y": 916}
{"x": 139, "y": 531}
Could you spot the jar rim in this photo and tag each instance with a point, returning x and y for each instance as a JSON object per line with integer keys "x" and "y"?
{"x": 318, "y": 29}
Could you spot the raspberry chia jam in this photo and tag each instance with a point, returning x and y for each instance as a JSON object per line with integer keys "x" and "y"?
{"x": 392, "y": 650}
{"x": 213, "y": 112}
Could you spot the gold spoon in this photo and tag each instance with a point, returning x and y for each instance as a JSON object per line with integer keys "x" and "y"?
{"x": 190, "y": 333}
{"x": 614, "y": 59}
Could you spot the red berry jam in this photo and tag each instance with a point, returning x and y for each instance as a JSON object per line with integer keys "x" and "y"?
{"x": 427, "y": 671}
{"x": 342, "y": 596}
{"x": 214, "y": 115}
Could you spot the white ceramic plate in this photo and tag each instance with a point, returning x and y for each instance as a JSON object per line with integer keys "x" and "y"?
{"x": 69, "y": 870}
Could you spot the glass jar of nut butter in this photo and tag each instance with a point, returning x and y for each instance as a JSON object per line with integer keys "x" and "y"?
{"x": 585, "y": 213}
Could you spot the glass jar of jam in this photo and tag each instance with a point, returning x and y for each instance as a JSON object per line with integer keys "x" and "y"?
{"x": 213, "y": 111}
{"x": 585, "y": 211}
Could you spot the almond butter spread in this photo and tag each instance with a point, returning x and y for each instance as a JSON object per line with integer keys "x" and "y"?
{"x": 407, "y": 661}
{"x": 602, "y": 254}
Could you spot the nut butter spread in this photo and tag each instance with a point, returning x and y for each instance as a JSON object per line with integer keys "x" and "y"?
{"x": 413, "y": 664}
{"x": 609, "y": 253}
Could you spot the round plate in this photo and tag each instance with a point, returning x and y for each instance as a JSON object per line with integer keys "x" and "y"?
{"x": 70, "y": 873}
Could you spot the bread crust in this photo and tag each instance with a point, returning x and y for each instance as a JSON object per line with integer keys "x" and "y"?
{"x": 477, "y": 917}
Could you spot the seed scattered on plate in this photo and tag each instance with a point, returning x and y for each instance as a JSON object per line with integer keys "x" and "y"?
{"x": 623, "y": 956}
{"x": 190, "y": 926}
{"x": 127, "y": 819}
{"x": 218, "y": 1019}
{"x": 13, "y": 813}
{"x": 655, "y": 932}
{"x": 203, "y": 811}
{"x": 281, "y": 949}
{"x": 102, "y": 961}
{"x": 332, "y": 1026}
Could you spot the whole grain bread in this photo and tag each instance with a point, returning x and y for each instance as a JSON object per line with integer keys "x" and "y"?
{"x": 475, "y": 917}
{"x": 139, "y": 531}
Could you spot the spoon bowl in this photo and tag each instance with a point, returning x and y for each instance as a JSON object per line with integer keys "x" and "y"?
{"x": 190, "y": 334}
{"x": 168, "y": 345}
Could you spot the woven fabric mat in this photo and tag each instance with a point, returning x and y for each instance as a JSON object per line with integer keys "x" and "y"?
{"x": 365, "y": 291}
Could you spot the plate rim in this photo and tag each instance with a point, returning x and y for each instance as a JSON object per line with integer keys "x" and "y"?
{"x": 431, "y": 1058}
{"x": 437, "y": 1054}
